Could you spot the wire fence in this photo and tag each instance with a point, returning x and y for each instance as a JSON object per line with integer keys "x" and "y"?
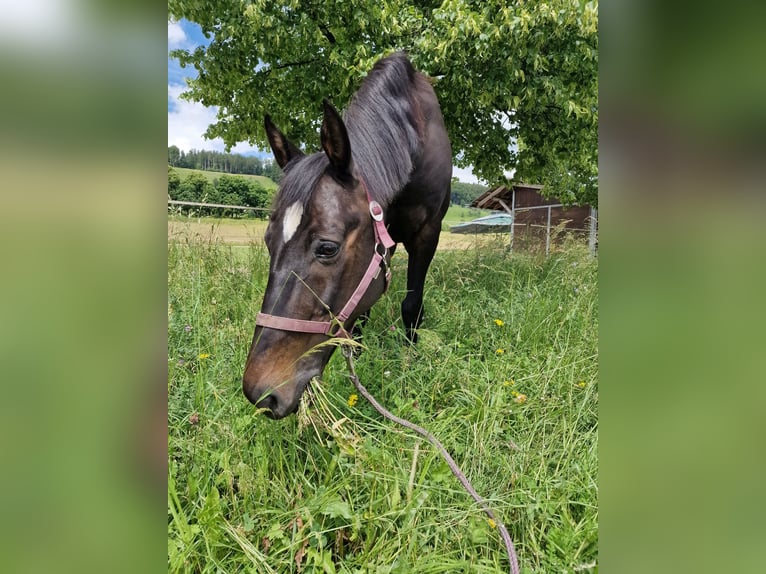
{"x": 530, "y": 235}
{"x": 526, "y": 236}
{"x": 213, "y": 207}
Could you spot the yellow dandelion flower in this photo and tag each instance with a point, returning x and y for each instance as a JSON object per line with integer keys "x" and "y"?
{"x": 352, "y": 400}
{"x": 500, "y": 351}
{"x": 581, "y": 384}
{"x": 203, "y": 356}
{"x": 519, "y": 398}
{"x": 492, "y": 523}
{"x": 499, "y": 322}
{"x": 509, "y": 383}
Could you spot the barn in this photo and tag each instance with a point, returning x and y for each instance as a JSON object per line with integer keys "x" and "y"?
{"x": 537, "y": 220}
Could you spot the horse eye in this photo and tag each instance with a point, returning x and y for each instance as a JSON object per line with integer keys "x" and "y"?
{"x": 326, "y": 249}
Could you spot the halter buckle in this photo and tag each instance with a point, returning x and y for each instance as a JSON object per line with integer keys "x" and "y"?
{"x": 376, "y": 211}
{"x": 337, "y": 330}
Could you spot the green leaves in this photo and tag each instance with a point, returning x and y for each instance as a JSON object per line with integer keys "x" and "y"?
{"x": 337, "y": 508}
{"x": 517, "y": 84}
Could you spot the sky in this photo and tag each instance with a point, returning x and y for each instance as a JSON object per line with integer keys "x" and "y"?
{"x": 187, "y": 121}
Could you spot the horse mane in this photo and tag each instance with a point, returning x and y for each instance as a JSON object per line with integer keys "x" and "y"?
{"x": 383, "y": 123}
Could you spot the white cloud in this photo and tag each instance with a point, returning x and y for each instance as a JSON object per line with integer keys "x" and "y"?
{"x": 466, "y": 174}
{"x": 187, "y": 122}
{"x": 176, "y": 35}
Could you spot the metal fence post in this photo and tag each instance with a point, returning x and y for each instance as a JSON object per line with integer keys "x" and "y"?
{"x": 592, "y": 230}
{"x": 548, "y": 233}
{"x": 513, "y": 217}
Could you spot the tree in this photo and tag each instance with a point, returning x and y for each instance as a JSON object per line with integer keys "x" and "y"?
{"x": 214, "y": 161}
{"x": 257, "y": 196}
{"x": 272, "y": 171}
{"x": 174, "y": 183}
{"x": 183, "y": 160}
{"x": 236, "y": 190}
{"x": 517, "y": 83}
{"x": 465, "y": 193}
{"x": 174, "y": 155}
{"x": 231, "y": 189}
{"x": 196, "y": 187}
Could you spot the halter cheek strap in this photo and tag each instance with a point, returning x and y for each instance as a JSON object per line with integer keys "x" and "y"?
{"x": 334, "y": 327}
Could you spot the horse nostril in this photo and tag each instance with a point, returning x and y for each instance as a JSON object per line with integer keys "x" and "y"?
{"x": 270, "y": 402}
{"x": 259, "y": 398}
{"x": 267, "y": 400}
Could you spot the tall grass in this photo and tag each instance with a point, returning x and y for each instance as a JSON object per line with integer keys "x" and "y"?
{"x": 338, "y": 489}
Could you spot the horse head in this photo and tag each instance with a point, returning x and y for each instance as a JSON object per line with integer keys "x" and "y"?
{"x": 320, "y": 239}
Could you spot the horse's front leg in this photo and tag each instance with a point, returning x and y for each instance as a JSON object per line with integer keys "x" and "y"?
{"x": 421, "y": 251}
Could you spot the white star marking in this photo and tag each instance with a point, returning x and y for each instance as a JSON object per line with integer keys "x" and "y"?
{"x": 291, "y": 220}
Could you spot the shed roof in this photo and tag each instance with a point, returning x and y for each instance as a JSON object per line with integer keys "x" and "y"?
{"x": 527, "y": 195}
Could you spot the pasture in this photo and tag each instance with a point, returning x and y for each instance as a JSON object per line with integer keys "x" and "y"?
{"x": 211, "y": 176}
{"x": 246, "y": 230}
{"x": 504, "y": 374}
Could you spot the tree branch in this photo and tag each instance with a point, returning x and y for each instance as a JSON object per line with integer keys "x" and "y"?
{"x": 327, "y": 34}
{"x": 272, "y": 67}
{"x": 293, "y": 64}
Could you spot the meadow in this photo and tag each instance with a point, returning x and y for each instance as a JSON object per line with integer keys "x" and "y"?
{"x": 504, "y": 374}
{"x": 247, "y": 229}
{"x": 266, "y": 182}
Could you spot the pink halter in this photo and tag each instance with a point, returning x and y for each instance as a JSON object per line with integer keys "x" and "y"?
{"x": 382, "y": 240}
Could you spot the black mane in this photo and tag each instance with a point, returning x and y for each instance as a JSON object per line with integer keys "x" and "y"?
{"x": 382, "y": 124}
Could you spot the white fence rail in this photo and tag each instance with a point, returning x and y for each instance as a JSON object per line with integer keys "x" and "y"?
{"x": 592, "y": 227}
{"x": 199, "y": 204}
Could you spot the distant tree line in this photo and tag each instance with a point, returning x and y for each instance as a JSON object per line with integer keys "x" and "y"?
{"x": 465, "y": 193}
{"x": 223, "y": 162}
{"x": 227, "y": 189}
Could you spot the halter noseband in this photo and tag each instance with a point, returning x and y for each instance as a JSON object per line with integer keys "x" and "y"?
{"x": 334, "y": 327}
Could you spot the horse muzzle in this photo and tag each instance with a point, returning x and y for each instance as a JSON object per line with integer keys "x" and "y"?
{"x": 274, "y": 384}
{"x": 279, "y": 399}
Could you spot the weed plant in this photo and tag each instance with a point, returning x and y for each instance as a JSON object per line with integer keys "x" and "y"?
{"x": 504, "y": 374}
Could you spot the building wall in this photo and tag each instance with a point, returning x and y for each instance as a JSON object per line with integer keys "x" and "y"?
{"x": 577, "y": 216}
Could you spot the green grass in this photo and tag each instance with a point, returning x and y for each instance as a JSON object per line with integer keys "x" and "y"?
{"x": 213, "y": 175}
{"x": 338, "y": 488}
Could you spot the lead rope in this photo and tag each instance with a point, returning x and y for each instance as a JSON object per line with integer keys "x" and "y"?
{"x": 348, "y": 354}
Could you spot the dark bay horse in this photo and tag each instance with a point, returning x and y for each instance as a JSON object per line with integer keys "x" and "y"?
{"x": 382, "y": 178}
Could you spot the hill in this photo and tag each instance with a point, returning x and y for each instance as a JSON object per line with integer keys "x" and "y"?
{"x": 213, "y": 175}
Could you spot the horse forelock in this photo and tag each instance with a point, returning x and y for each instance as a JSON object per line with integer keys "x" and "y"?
{"x": 299, "y": 181}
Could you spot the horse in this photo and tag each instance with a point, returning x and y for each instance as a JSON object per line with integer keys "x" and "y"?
{"x": 382, "y": 178}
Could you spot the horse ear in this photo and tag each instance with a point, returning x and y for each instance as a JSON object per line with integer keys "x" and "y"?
{"x": 283, "y": 149}
{"x": 335, "y": 141}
